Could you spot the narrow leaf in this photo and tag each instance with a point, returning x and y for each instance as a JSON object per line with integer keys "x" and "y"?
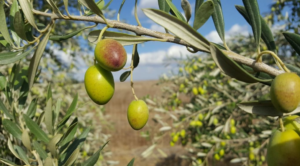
{"x": 93, "y": 7}
{"x": 34, "y": 63}
{"x": 107, "y": 5}
{"x": 67, "y": 36}
{"x": 2, "y": 81}
{"x": 186, "y": 6}
{"x": 266, "y": 33}
{"x": 27, "y": 10}
{"x": 124, "y": 76}
{"x": 179, "y": 28}
{"x": 12, "y": 57}
{"x": 52, "y": 144}
{"x": 22, "y": 154}
{"x": 5, "y": 110}
{"x": 198, "y": 4}
{"x": 163, "y": 5}
{"x": 94, "y": 158}
{"x": 124, "y": 39}
{"x": 131, "y": 162}
{"x": 72, "y": 158}
{"x": 26, "y": 140}
{"x": 254, "y": 18}
{"x": 69, "y": 135}
{"x": 42, "y": 153}
{"x": 12, "y": 128}
{"x": 7, "y": 162}
{"x": 175, "y": 10}
{"x": 136, "y": 56}
{"x": 203, "y": 14}
{"x": 231, "y": 68}
{"x": 3, "y": 27}
{"x": 70, "y": 111}
{"x": 32, "y": 108}
{"x": 219, "y": 19}
{"x": 35, "y": 129}
{"x": 48, "y": 161}
{"x": 294, "y": 40}
{"x": 264, "y": 108}
{"x": 49, "y": 116}
{"x": 19, "y": 26}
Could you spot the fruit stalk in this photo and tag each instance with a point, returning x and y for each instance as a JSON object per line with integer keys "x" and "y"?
{"x": 101, "y": 33}
{"x": 281, "y": 124}
{"x": 131, "y": 72}
{"x": 277, "y": 59}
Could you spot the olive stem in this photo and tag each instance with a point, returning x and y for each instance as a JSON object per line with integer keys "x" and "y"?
{"x": 135, "y": 14}
{"x": 281, "y": 124}
{"x": 227, "y": 48}
{"x": 102, "y": 32}
{"x": 258, "y": 59}
{"x": 131, "y": 72}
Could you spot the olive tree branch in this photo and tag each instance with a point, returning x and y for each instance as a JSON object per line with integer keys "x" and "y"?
{"x": 138, "y": 30}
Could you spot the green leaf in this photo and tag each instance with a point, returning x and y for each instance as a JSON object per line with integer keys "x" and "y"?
{"x": 75, "y": 144}
{"x": 294, "y": 40}
{"x": 35, "y": 129}
{"x": 94, "y": 158}
{"x": 93, "y": 7}
{"x": 69, "y": 135}
{"x": 131, "y": 162}
{"x": 175, "y": 10}
{"x": 3, "y": 41}
{"x": 100, "y": 5}
{"x": 72, "y": 158}
{"x": 34, "y": 63}
{"x": 49, "y": 116}
{"x": 26, "y": 140}
{"x": 27, "y": 10}
{"x": 219, "y": 19}
{"x": 107, "y": 5}
{"x": 52, "y": 144}
{"x": 203, "y": 14}
{"x": 124, "y": 39}
{"x": 7, "y": 162}
{"x": 266, "y": 33}
{"x": 232, "y": 69}
{"x": 5, "y": 110}
{"x": 254, "y": 18}
{"x": 17, "y": 21}
{"x": 13, "y": 9}
{"x": 197, "y": 5}
{"x": 66, "y": 7}
{"x": 23, "y": 93}
{"x": 293, "y": 68}
{"x": 48, "y": 161}
{"x": 69, "y": 112}
{"x": 186, "y": 6}
{"x": 163, "y": 5}
{"x": 42, "y": 153}
{"x": 179, "y": 28}
{"x": 121, "y": 6}
{"x": 67, "y": 36}
{"x": 2, "y": 81}
{"x": 124, "y": 76}
{"x": 12, "y": 128}
{"x": 32, "y": 108}
{"x": 136, "y": 56}
{"x": 22, "y": 154}
{"x": 56, "y": 112}
{"x": 3, "y": 27}
{"x": 264, "y": 108}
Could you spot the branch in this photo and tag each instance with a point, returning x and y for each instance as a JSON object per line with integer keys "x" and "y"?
{"x": 138, "y": 30}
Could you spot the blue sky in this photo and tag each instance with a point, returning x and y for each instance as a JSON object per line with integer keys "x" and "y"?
{"x": 152, "y": 54}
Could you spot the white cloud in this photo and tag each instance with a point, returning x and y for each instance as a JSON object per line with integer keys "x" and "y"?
{"x": 157, "y": 28}
{"x": 236, "y": 29}
{"x": 145, "y": 4}
{"x": 158, "y": 57}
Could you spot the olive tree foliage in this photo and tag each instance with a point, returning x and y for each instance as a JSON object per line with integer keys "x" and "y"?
{"x": 41, "y": 140}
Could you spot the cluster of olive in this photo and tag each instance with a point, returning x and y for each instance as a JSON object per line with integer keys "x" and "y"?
{"x": 284, "y": 146}
{"x": 111, "y": 56}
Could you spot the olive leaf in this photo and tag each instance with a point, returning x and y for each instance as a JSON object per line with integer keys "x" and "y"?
{"x": 124, "y": 76}
{"x": 264, "y": 108}
{"x": 3, "y": 27}
{"x": 175, "y": 10}
{"x": 186, "y": 6}
{"x": 179, "y": 28}
{"x": 294, "y": 40}
{"x": 252, "y": 9}
{"x": 219, "y": 19}
{"x": 203, "y": 14}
